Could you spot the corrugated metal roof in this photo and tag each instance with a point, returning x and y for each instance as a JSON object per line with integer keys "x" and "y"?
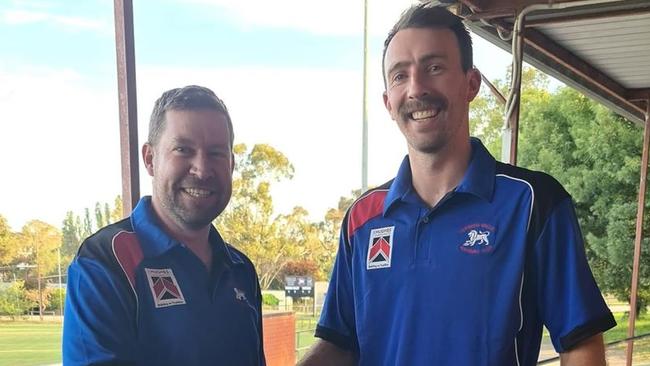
{"x": 601, "y": 48}
{"x": 619, "y": 47}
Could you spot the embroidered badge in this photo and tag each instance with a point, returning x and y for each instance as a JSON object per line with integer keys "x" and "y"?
{"x": 477, "y": 239}
{"x": 239, "y": 294}
{"x": 164, "y": 287}
{"x": 380, "y": 248}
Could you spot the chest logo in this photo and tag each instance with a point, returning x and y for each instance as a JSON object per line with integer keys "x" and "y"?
{"x": 380, "y": 248}
{"x": 477, "y": 239}
{"x": 164, "y": 287}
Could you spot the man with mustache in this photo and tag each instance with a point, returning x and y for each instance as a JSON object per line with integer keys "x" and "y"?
{"x": 161, "y": 287}
{"x": 459, "y": 260}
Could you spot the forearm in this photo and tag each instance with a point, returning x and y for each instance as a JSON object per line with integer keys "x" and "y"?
{"x": 324, "y": 353}
{"x": 590, "y": 352}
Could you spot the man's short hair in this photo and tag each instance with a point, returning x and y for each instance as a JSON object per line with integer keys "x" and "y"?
{"x": 189, "y": 98}
{"x": 433, "y": 17}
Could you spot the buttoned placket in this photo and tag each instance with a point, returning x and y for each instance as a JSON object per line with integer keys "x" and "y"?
{"x": 424, "y": 238}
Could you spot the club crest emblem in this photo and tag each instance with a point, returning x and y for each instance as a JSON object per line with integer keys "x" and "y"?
{"x": 380, "y": 248}
{"x": 479, "y": 239}
{"x": 164, "y": 287}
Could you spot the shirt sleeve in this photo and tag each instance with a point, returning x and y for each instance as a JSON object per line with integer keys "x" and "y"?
{"x": 337, "y": 321}
{"x": 98, "y": 326}
{"x": 572, "y": 306}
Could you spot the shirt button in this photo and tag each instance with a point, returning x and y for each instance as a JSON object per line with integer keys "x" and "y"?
{"x": 425, "y": 219}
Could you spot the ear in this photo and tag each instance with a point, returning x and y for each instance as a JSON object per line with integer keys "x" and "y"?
{"x": 473, "y": 83}
{"x": 232, "y": 163}
{"x": 147, "y": 157}
{"x": 387, "y": 104}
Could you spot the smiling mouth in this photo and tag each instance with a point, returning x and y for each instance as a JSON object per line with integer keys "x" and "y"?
{"x": 197, "y": 192}
{"x": 424, "y": 114}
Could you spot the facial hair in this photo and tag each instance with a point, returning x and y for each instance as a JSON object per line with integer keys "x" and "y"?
{"x": 421, "y": 103}
{"x": 192, "y": 217}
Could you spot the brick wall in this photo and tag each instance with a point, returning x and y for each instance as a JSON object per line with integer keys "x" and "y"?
{"x": 279, "y": 338}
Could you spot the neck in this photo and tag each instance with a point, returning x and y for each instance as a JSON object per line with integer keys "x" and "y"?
{"x": 197, "y": 240}
{"x": 436, "y": 174}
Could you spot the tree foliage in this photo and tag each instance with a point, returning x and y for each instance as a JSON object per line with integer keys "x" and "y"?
{"x": 330, "y": 230}
{"x": 249, "y": 222}
{"x": 8, "y": 245}
{"x": 74, "y": 232}
{"x": 71, "y": 235}
{"x": 14, "y": 301}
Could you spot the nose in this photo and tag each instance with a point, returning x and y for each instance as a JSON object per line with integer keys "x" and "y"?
{"x": 201, "y": 166}
{"x": 417, "y": 87}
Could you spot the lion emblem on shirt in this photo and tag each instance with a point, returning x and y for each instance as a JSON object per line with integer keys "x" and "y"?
{"x": 477, "y": 237}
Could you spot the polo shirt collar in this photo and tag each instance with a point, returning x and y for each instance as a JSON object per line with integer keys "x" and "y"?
{"x": 477, "y": 180}
{"x": 155, "y": 241}
{"x": 479, "y": 177}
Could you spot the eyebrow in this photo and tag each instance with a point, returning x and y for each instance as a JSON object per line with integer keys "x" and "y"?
{"x": 423, "y": 59}
{"x": 181, "y": 141}
{"x": 188, "y": 142}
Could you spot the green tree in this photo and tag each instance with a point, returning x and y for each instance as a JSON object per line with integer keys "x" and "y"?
{"x": 487, "y": 114}
{"x": 116, "y": 213}
{"x": 87, "y": 228}
{"x": 8, "y": 247}
{"x": 249, "y": 222}
{"x": 329, "y": 231}
{"x": 14, "y": 300}
{"x": 107, "y": 214}
{"x": 71, "y": 235}
{"x": 40, "y": 242}
{"x": 100, "y": 221}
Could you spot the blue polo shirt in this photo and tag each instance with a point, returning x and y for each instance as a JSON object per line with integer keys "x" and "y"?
{"x": 136, "y": 296}
{"x": 470, "y": 281}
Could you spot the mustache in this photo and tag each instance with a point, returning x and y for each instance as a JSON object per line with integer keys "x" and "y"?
{"x": 207, "y": 184}
{"x": 424, "y": 102}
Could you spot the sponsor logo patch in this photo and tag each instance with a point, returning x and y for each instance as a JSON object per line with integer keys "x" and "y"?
{"x": 479, "y": 239}
{"x": 380, "y": 248}
{"x": 164, "y": 287}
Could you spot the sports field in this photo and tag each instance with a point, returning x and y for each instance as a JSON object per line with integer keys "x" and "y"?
{"x": 27, "y": 343}
{"x": 35, "y": 343}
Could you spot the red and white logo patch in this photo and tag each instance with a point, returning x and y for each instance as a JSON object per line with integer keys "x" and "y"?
{"x": 380, "y": 248}
{"x": 164, "y": 287}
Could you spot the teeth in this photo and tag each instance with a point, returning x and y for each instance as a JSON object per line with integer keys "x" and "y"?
{"x": 197, "y": 192}
{"x": 424, "y": 114}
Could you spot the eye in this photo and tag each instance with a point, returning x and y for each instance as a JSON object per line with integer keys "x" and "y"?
{"x": 181, "y": 150}
{"x": 216, "y": 153}
{"x": 435, "y": 68}
{"x": 398, "y": 77}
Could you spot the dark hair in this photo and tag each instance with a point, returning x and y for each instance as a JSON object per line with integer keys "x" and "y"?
{"x": 433, "y": 17}
{"x": 191, "y": 97}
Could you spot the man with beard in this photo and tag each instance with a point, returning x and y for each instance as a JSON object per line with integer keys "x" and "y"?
{"x": 161, "y": 287}
{"x": 459, "y": 260}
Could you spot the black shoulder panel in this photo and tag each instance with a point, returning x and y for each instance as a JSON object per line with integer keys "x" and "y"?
{"x": 99, "y": 245}
{"x": 547, "y": 193}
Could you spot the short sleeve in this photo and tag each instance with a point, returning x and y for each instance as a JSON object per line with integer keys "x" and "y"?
{"x": 97, "y": 327}
{"x": 337, "y": 321}
{"x": 572, "y": 306}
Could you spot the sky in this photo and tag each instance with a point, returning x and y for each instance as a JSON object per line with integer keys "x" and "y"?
{"x": 290, "y": 72}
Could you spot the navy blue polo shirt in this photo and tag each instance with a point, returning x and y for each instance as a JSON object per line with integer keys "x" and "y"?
{"x": 136, "y": 296}
{"x": 468, "y": 282}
